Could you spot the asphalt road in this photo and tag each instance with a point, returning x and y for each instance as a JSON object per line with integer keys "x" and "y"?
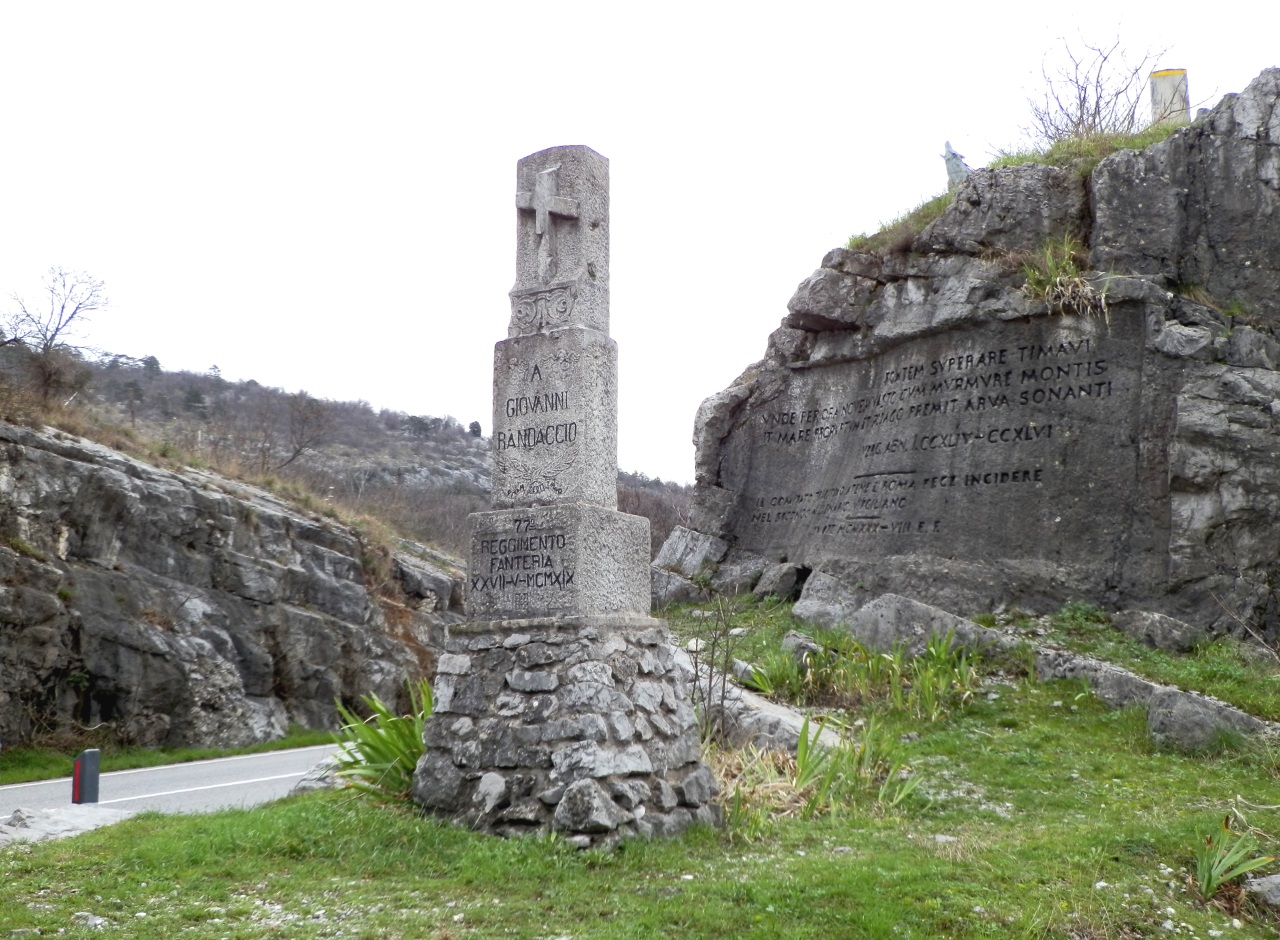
{"x": 200, "y": 786}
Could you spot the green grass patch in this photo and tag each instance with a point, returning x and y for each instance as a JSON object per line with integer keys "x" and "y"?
{"x": 47, "y": 762}
{"x": 23, "y": 547}
{"x": 1055, "y": 275}
{"x": 1083, "y": 154}
{"x": 1040, "y": 814}
{"x": 896, "y": 237}
{"x": 1241, "y": 673}
{"x": 1033, "y": 812}
{"x": 764, "y": 622}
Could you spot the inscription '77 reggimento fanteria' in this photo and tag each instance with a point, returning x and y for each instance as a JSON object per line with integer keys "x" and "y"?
{"x": 561, "y": 560}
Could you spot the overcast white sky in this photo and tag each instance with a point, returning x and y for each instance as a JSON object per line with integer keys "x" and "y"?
{"x": 320, "y": 195}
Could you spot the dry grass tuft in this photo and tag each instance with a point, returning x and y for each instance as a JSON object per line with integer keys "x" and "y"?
{"x": 757, "y": 778}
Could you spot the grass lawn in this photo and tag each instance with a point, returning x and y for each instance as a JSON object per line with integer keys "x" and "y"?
{"x": 1245, "y": 675}
{"x": 1040, "y": 814}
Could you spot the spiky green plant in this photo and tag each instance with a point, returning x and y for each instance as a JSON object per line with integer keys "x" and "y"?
{"x": 1223, "y": 857}
{"x": 379, "y": 754}
{"x": 812, "y": 758}
{"x": 778, "y": 675}
{"x": 941, "y": 677}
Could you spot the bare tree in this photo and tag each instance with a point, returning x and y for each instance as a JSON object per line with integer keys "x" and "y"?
{"x": 72, "y": 297}
{"x": 308, "y": 424}
{"x": 1097, "y": 92}
{"x": 43, "y": 333}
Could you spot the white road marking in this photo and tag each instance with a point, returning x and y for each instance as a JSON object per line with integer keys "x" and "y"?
{"x": 212, "y": 786}
{"x": 34, "y": 783}
{"x": 143, "y": 770}
{"x": 217, "y": 760}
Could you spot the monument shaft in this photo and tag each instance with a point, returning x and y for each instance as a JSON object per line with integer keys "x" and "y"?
{"x": 555, "y": 415}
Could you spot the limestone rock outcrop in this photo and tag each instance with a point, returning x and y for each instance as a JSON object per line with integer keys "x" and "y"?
{"x": 923, "y": 425}
{"x": 180, "y": 608}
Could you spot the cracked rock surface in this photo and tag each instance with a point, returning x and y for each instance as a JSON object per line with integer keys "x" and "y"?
{"x": 181, "y": 608}
{"x": 922, "y": 424}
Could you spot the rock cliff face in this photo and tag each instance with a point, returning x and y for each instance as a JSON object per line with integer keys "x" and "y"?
{"x": 922, "y": 425}
{"x": 182, "y": 608}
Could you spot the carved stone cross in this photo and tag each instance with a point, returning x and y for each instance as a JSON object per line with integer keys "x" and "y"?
{"x": 546, "y": 202}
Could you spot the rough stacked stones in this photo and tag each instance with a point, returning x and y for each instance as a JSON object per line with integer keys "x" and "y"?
{"x": 583, "y": 726}
{"x": 560, "y": 704}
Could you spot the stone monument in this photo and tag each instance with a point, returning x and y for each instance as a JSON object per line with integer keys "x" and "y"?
{"x": 560, "y": 704}
{"x": 928, "y": 422}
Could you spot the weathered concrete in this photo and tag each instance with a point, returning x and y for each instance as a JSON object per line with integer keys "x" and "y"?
{"x": 1157, "y": 630}
{"x": 690, "y": 554}
{"x": 1184, "y": 720}
{"x": 1265, "y": 890}
{"x": 891, "y": 621}
{"x": 36, "y": 825}
{"x": 745, "y": 719}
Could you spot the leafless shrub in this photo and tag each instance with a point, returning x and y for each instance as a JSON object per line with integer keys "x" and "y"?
{"x": 19, "y": 403}
{"x": 156, "y": 617}
{"x": 665, "y": 505}
{"x": 39, "y": 336}
{"x": 1097, "y": 92}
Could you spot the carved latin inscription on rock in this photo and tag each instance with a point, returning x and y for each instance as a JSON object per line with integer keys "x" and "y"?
{"x": 1013, "y": 439}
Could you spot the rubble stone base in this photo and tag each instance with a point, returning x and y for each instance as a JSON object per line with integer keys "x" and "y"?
{"x": 581, "y": 725}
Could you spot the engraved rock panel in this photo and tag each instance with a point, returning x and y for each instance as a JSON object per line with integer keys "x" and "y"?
{"x": 924, "y": 426}
{"x": 938, "y": 439}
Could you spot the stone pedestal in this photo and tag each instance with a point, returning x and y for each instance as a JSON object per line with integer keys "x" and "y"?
{"x": 579, "y": 725}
